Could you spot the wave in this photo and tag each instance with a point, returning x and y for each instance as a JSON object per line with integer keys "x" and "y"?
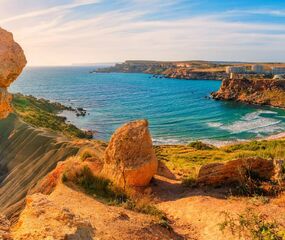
{"x": 168, "y": 141}
{"x": 252, "y": 123}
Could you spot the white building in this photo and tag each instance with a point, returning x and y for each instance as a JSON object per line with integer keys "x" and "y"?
{"x": 279, "y": 77}
{"x": 278, "y": 70}
{"x": 234, "y": 69}
{"x": 257, "y": 68}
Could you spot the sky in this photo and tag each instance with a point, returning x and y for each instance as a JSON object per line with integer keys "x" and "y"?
{"x": 65, "y": 32}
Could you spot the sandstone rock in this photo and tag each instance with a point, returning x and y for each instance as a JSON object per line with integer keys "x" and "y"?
{"x": 44, "y": 219}
{"x": 5, "y": 100}
{"x": 12, "y": 62}
{"x": 129, "y": 158}
{"x": 164, "y": 171}
{"x": 5, "y": 228}
{"x": 12, "y": 59}
{"x": 260, "y": 91}
{"x": 232, "y": 172}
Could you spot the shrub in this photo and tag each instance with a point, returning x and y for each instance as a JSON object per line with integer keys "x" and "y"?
{"x": 249, "y": 225}
{"x": 189, "y": 181}
{"x": 100, "y": 187}
{"x": 198, "y": 145}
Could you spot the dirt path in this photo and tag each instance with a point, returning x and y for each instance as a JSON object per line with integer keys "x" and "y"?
{"x": 198, "y": 211}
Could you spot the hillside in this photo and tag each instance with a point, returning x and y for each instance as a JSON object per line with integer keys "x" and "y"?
{"x": 26, "y": 155}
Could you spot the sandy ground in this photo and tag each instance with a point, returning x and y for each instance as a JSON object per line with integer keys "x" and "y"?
{"x": 197, "y": 212}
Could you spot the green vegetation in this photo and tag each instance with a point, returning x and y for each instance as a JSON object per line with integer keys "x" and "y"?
{"x": 250, "y": 225}
{"x": 43, "y": 113}
{"x": 104, "y": 190}
{"x": 201, "y": 146}
{"x": 100, "y": 187}
{"x": 185, "y": 161}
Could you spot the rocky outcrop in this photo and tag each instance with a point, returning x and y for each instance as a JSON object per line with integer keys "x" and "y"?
{"x": 130, "y": 159}
{"x": 43, "y": 219}
{"x": 260, "y": 91}
{"x": 5, "y": 226}
{"x": 233, "y": 172}
{"x": 12, "y": 62}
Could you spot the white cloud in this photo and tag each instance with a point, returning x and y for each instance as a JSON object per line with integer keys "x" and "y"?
{"x": 59, "y": 38}
{"x": 47, "y": 11}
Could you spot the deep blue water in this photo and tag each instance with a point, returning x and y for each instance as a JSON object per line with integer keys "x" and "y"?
{"x": 178, "y": 110}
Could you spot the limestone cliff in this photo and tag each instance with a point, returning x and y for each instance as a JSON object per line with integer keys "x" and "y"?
{"x": 12, "y": 62}
{"x": 26, "y": 156}
{"x": 260, "y": 91}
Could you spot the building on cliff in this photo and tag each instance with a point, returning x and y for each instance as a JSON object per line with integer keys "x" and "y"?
{"x": 257, "y": 68}
{"x": 235, "y": 69}
{"x": 278, "y": 70}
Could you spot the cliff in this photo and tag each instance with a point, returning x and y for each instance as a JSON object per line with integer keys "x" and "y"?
{"x": 261, "y": 91}
{"x": 26, "y": 155}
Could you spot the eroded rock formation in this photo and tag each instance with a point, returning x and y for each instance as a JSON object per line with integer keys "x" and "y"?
{"x": 232, "y": 172}
{"x": 12, "y": 62}
{"x": 55, "y": 222}
{"x": 129, "y": 158}
{"x": 260, "y": 91}
{"x": 5, "y": 228}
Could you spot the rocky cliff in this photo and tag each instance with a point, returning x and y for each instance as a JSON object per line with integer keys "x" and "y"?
{"x": 261, "y": 91}
{"x": 12, "y": 61}
{"x": 26, "y": 155}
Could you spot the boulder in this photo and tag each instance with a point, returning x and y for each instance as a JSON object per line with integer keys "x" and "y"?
{"x": 233, "y": 172}
{"x": 130, "y": 159}
{"x": 12, "y": 62}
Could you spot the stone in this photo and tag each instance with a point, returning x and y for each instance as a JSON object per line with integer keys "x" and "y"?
{"x": 130, "y": 159}
{"x": 12, "y": 62}
{"x": 5, "y": 106}
{"x": 232, "y": 172}
{"x": 5, "y": 226}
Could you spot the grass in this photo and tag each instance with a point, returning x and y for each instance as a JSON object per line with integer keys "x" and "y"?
{"x": 249, "y": 225}
{"x": 43, "y": 113}
{"x": 185, "y": 161}
{"x": 105, "y": 191}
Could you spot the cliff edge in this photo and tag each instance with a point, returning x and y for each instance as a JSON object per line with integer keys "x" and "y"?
{"x": 260, "y": 91}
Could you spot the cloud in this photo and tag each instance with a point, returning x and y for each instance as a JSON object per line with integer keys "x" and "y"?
{"x": 48, "y": 11}
{"x": 106, "y": 34}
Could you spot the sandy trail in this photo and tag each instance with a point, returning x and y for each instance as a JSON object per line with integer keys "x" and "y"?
{"x": 198, "y": 211}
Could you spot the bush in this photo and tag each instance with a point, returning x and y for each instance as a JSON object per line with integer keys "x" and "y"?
{"x": 249, "y": 225}
{"x": 189, "y": 182}
{"x": 198, "y": 145}
{"x": 100, "y": 187}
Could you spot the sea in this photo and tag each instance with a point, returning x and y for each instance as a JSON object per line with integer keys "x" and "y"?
{"x": 178, "y": 111}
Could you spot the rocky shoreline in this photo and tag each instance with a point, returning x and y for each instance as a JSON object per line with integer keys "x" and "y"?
{"x": 194, "y": 70}
{"x": 269, "y": 92}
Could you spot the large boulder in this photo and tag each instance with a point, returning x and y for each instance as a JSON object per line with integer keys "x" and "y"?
{"x": 233, "y": 172}
{"x": 130, "y": 159}
{"x": 12, "y": 62}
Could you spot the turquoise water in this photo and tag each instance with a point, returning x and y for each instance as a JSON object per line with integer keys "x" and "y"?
{"x": 178, "y": 110}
